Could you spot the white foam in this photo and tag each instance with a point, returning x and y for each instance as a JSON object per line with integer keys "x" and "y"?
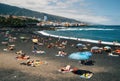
{"x": 84, "y": 29}
{"x": 79, "y": 39}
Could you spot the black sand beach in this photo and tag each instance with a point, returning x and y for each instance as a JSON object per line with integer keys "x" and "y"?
{"x": 105, "y": 68}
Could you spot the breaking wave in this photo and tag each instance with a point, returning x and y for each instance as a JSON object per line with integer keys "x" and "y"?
{"x": 78, "y": 39}
{"x": 85, "y": 29}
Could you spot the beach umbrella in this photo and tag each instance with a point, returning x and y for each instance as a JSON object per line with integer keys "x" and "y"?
{"x": 107, "y": 47}
{"x": 80, "y": 45}
{"x": 80, "y": 55}
{"x": 95, "y": 48}
{"x": 35, "y": 40}
{"x": 87, "y": 53}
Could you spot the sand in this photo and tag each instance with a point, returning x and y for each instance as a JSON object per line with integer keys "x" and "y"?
{"x": 105, "y": 68}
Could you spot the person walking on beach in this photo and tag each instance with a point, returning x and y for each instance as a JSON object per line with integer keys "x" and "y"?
{"x": 99, "y": 41}
{"x": 35, "y": 43}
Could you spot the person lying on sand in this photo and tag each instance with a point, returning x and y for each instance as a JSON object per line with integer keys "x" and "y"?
{"x": 5, "y": 43}
{"x": 21, "y": 55}
{"x": 50, "y": 45}
{"x": 30, "y": 63}
{"x": 111, "y": 54}
{"x": 61, "y": 53}
{"x": 117, "y": 51}
{"x": 61, "y": 46}
{"x": 19, "y": 52}
{"x": 65, "y": 69}
{"x": 34, "y": 63}
{"x": 40, "y": 52}
{"x": 9, "y": 48}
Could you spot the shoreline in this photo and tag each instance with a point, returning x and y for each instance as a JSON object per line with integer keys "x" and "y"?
{"x": 79, "y": 39}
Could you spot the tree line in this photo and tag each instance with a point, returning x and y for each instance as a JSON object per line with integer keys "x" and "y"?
{"x": 16, "y": 22}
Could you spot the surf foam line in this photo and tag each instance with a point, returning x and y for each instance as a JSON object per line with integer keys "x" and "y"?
{"x": 84, "y": 29}
{"x": 78, "y": 39}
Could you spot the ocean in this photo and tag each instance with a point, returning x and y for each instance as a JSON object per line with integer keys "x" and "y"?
{"x": 107, "y": 34}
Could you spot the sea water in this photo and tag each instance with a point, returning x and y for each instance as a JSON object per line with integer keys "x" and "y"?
{"x": 107, "y": 34}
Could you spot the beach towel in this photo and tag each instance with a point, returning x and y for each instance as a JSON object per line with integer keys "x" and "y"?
{"x": 59, "y": 55}
{"x": 40, "y": 52}
{"x": 83, "y": 73}
{"x": 39, "y": 62}
{"x": 86, "y": 75}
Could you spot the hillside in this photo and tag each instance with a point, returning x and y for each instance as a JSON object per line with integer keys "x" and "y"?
{"x": 13, "y": 10}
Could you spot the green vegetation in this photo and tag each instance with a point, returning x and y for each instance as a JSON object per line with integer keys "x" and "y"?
{"x": 15, "y": 22}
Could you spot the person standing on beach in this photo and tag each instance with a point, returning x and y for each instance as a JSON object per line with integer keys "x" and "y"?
{"x": 35, "y": 43}
{"x": 99, "y": 41}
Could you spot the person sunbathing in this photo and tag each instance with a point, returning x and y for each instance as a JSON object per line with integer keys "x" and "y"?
{"x": 30, "y": 63}
{"x": 19, "y": 52}
{"x": 23, "y": 56}
{"x": 40, "y": 52}
{"x": 35, "y": 63}
{"x": 64, "y": 53}
{"x": 117, "y": 51}
{"x": 61, "y": 53}
{"x": 111, "y": 54}
{"x": 10, "y": 48}
{"x": 65, "y": 69}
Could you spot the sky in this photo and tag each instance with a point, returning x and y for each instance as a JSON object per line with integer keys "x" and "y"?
{"x": 95, "y": 11}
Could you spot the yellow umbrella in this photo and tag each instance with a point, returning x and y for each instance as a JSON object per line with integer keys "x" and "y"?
{"x": 35, "y": 40}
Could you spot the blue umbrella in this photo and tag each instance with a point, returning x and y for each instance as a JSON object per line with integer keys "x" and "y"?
{"x": 87, "y": 53}
{"x": 80, "y": 55}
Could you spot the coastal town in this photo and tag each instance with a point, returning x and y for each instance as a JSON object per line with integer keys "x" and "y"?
{"x": 45, "y": 22}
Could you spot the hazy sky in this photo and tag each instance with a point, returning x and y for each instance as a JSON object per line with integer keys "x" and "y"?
{"x": 96, "y": 11}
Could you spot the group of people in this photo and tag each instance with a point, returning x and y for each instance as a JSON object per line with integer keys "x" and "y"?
{"x": 22, "y": 55}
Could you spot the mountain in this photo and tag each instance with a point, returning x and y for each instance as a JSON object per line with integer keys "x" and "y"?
{"x": 13, "y": 10}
